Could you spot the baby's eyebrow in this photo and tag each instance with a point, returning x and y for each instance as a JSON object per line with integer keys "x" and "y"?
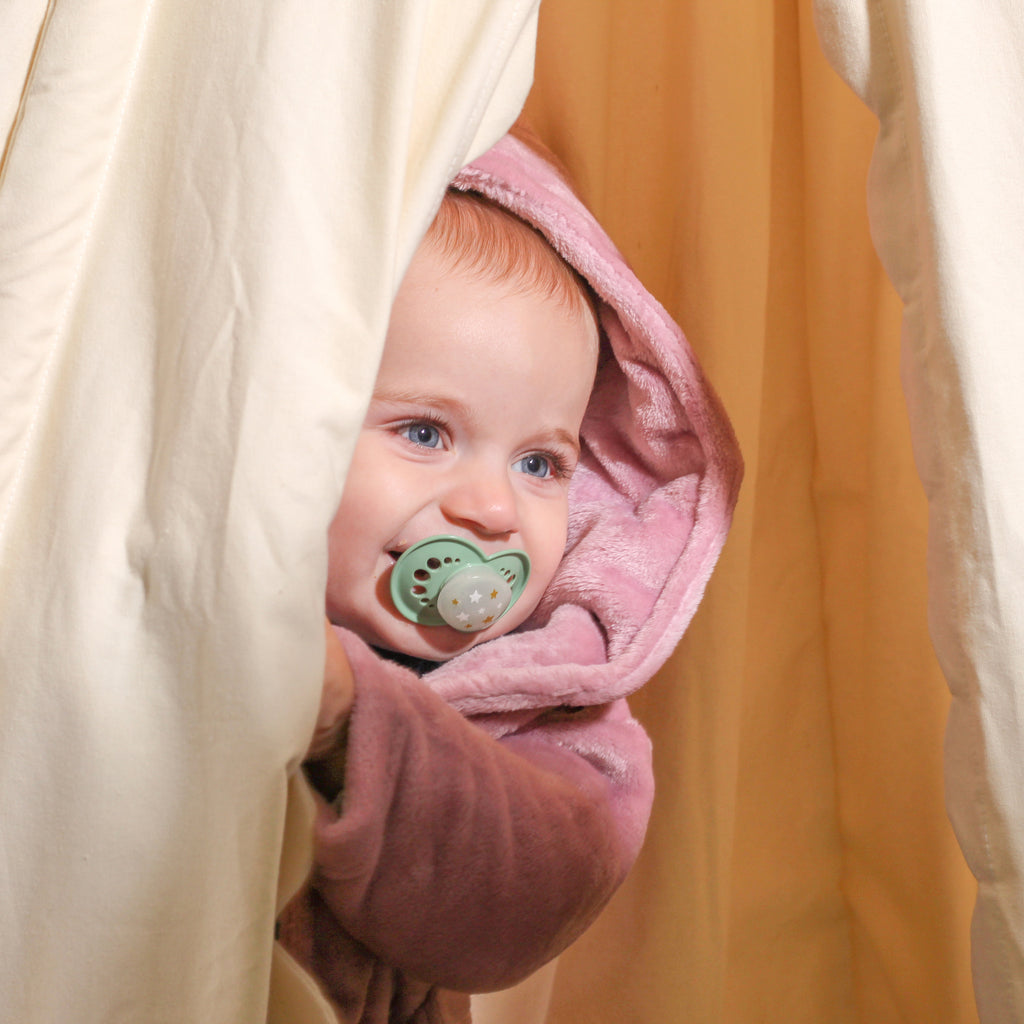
{"x": 450, "y": 405}
{"x": 562, "y": 436}
{"x": 418, "y": 398}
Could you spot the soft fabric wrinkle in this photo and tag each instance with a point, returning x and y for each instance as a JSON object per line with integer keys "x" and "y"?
{"x": 146, "y": 764}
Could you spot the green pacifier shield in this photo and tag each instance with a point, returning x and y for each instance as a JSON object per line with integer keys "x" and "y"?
{"x": 449, "y": 581}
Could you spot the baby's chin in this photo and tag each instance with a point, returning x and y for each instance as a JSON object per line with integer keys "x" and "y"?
{"x": 436, "y": 643}
{"x": 392, "y": 632}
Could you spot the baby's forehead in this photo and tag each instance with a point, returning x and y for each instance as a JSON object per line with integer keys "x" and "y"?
{"x": 441, "y": 301}
{"x": 457, "y": 335}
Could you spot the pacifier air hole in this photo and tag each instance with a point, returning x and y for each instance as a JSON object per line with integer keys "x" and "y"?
{"x": 449, "y": 581}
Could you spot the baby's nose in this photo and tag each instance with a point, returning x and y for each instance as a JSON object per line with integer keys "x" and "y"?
{"x": 483, "y": 501}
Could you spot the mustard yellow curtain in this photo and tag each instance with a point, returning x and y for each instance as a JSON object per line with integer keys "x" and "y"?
{"x": 800, "y": 867}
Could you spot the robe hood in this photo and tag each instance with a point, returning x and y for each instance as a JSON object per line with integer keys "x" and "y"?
{"x": 651, "y": 499}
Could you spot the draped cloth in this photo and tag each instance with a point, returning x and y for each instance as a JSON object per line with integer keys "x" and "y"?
{"x": 205, "y": 210}
{"x": 801, "y": 865}
{"x": 946, "y": 82}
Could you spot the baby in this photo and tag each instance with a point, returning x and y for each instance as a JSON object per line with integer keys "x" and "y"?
{"x": 519, "y": 546}
{"x": 473, "y": 427}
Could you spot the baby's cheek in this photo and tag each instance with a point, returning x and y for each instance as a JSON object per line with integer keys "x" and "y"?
{"x": 546, "y": 558}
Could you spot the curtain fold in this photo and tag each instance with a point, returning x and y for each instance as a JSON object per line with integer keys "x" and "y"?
{"x": 800, "y": 865}
{"x": 205, "y": 211}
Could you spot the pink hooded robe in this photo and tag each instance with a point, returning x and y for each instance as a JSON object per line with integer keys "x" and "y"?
{"x": 492, "y": 806}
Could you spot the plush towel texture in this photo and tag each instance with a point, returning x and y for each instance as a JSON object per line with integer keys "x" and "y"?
{"x": 493, "y": 806}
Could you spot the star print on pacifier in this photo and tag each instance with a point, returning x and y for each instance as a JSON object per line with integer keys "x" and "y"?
{"x": 448, "y": 581}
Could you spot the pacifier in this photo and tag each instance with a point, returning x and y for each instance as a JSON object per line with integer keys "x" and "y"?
{"x": 449, "y": 581}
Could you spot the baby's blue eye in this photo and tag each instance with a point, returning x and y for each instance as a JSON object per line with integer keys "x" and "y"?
{"x": 425, "y": 434}
{"x": 534, "y": 465}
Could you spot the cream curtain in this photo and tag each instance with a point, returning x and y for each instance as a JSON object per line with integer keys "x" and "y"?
{"x": 205, "y": 210}
{"x": 800, "y": 867}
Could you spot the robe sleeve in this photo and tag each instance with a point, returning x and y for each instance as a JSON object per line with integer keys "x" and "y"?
{"x": 468, "y": 852}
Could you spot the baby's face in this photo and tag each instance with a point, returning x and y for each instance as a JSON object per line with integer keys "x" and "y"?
{"x": 472, "y": 430}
